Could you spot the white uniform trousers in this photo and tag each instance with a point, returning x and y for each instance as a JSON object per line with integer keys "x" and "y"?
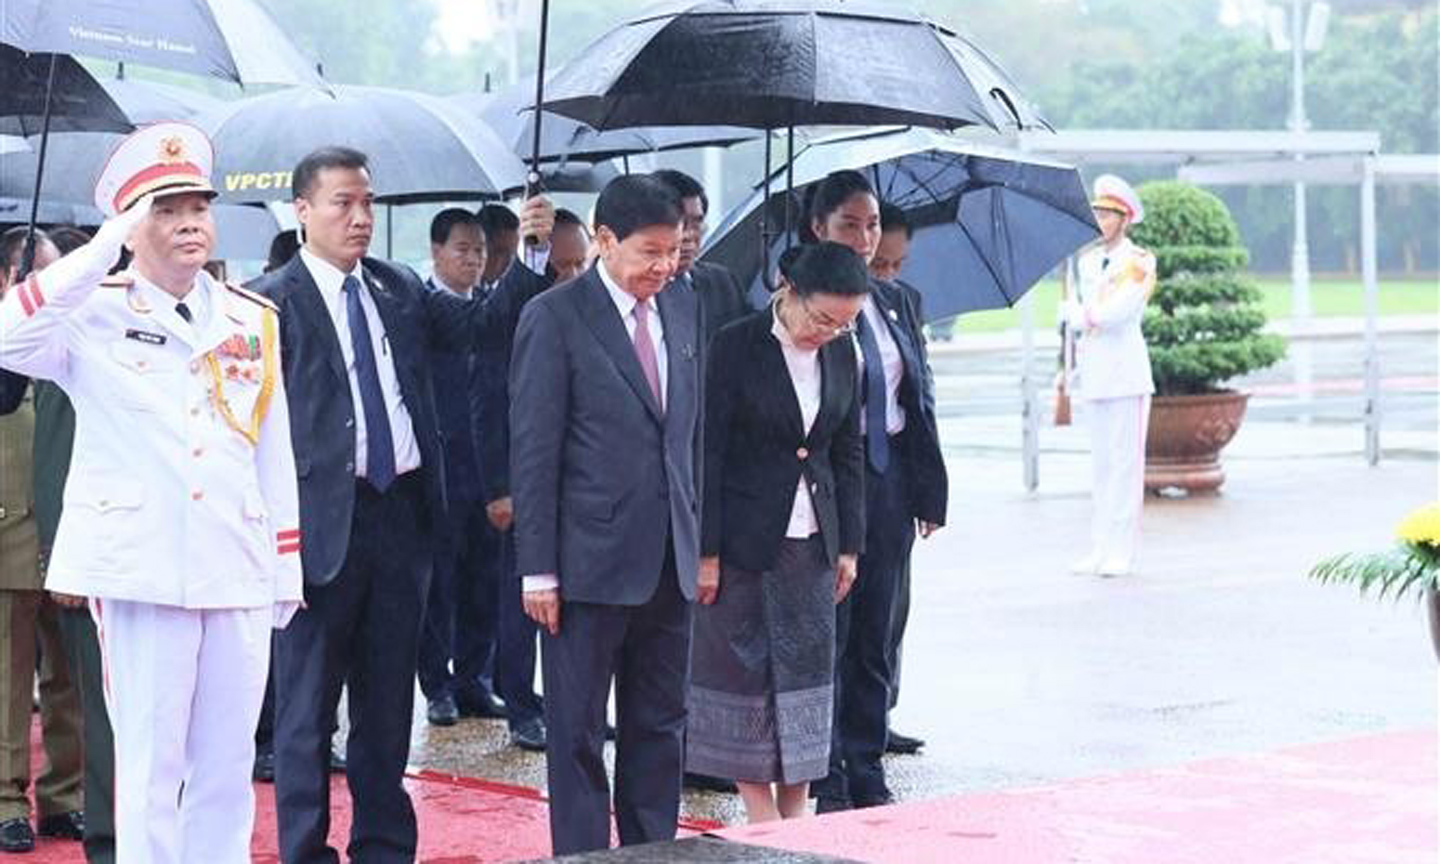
{"x": 1117, "y": 453}
{"x": 183, "y": 688}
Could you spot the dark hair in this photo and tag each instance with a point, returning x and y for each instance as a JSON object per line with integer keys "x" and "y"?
{"x": 12, "y": 246}
{"x": 68, "y": 238}
{"x": 892, "y": 218}
{"x": 825, "y": 268}
{"x": 570, "y": 217}
{"x": 307, "y": 172}
{"x": 283, "y": 247}
{"x": 446, "y": 220}
{"x": 497, "y": 219}
{"x": 684, "y": 185}
{"x": 828, "y": 195}
{"x": 631, "y": 202}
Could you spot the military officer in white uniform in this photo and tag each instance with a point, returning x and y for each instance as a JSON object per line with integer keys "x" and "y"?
{"x": 181, "y": 517}
{"x": 1112, "y": 374}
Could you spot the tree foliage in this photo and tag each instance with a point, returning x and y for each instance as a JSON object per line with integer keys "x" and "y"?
{"x": 1204, "y": 324}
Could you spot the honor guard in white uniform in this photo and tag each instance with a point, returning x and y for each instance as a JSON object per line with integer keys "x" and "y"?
{"x": 181, "y": 515}
{"x": 1112, "y": 374}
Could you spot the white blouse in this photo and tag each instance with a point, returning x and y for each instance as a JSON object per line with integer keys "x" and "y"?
{"x": 804, "y": 368}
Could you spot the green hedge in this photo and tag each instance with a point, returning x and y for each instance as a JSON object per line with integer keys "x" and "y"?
{"x": 1204, "y": 323}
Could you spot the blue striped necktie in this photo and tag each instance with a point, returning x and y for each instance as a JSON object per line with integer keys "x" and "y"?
{"x": 379, "y": 443}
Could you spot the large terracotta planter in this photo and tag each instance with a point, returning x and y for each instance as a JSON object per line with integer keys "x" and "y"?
{"x": 1182, "y": 450}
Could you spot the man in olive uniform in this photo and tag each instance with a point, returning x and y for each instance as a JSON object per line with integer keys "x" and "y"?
{"x": 28, "y": 619}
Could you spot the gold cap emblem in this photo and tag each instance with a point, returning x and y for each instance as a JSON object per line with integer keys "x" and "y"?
{"x": 172, "y": 149}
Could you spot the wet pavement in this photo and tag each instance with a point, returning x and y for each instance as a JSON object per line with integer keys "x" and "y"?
{"x": 1018, "y": 673}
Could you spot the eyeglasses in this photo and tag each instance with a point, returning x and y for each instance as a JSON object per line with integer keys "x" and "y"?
{"x": 824, "y": 324}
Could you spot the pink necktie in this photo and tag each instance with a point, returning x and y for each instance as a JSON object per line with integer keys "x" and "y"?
{"x": 645, "y": 350}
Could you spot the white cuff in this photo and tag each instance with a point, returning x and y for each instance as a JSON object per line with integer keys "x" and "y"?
{"x": 539, "y": 582}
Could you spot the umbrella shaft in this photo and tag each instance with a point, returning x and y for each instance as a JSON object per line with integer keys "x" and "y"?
{"x": 27, "y": 258}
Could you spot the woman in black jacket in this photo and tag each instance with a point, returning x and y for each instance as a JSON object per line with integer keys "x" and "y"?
{"x": 782, "y": 529}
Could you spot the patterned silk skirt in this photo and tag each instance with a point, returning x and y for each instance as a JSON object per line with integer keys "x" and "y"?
{"x": 763, "y": 671}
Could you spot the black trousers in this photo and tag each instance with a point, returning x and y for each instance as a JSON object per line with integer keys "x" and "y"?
{"x": 516, "y": 645}
{"x": 646, "y": 651}
{"x": 457, "y": 645}
{"x": 362, "y": 629}
{"x": 863, "y": 640}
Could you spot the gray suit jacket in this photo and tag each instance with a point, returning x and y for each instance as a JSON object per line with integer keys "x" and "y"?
{"x": 602, "y": 479}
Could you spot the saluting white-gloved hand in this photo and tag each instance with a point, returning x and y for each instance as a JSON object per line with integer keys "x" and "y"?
{"x": 89, "y": 263}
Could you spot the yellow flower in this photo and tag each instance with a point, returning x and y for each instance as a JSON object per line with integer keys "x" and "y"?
{"x": 1422, "y": 526}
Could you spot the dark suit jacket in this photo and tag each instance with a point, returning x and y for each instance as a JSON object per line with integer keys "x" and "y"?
{"x": 721, "y": 300}
{"x": 490, "y": 406}
{"x": 602, "y": 480}
{"x": 322, "y": 415}
{"x": 756, "y": 449}
{"x": 927, "y": 480}
{"x": 453, "y": 375}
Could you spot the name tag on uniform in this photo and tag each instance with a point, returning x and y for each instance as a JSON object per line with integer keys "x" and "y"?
{"x": 147, "y": 338}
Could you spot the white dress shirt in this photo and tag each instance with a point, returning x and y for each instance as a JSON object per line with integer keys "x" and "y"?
{"x": 804, "y": 367}
{"x": 624, "y": 305}
{"x": 331, "y": 283}
{"x": 893, "y": 363}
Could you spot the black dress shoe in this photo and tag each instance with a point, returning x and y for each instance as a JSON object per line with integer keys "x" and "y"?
{"x": 337, "y": 761}
{"x": 442, "y": 711}
{"x": 881, "y": 799}
{"x": 826, "y": 804}
{"x": 63, "y": 826}
{"x": 16, "y": 835}
{"x": 529, "y": 735}
{"x": 706, "y": 783}
{"x": 264, "y": 766}
{"x": 902, "y": 744}
{"x": 482, "y": 704}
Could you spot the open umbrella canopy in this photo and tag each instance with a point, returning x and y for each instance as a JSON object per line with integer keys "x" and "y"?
{"x": 511, "y": 114}
{"x": 420, "y": 147}
{"x": 77, "y": 102}
{"x": 73, "y": 160}
{"x": 989, "y": 222}
{"x": 770, "y": 64}
{"x": 232, "y": 39}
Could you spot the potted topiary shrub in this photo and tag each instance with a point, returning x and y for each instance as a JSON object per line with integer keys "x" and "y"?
{"x": 1203, "y": 327}
{"x": 1411, "y": 566}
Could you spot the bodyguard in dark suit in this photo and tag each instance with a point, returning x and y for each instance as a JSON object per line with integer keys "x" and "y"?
{"x": 605, "y": 391}
{"x": 357, "y": 335}
{"x": 905, "y": 491}
{"x": 457, "y": 644}
{"x": 515, "y": 632}
{"x": 721, "y": 298}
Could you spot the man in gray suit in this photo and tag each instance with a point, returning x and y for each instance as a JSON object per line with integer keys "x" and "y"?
{"x": 605, "y": 390}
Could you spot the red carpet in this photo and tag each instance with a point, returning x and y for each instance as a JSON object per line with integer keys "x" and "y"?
{"x": 1369, "y": 799}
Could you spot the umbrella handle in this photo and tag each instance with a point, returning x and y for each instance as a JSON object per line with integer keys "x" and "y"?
{"x": 532, "y": 179}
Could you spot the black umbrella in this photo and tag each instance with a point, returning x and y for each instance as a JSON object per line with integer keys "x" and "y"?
{"x": 771, "y": 64}
{"x": 989, "y": 223}
{"x": 73, "y": 161}
{"x": 232, "y": 39}
{"x": 421, "y": 147}
{"x": 774, "y": 64}
{"x": 511, "y": 114}
{"x": 77, "y": 101}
